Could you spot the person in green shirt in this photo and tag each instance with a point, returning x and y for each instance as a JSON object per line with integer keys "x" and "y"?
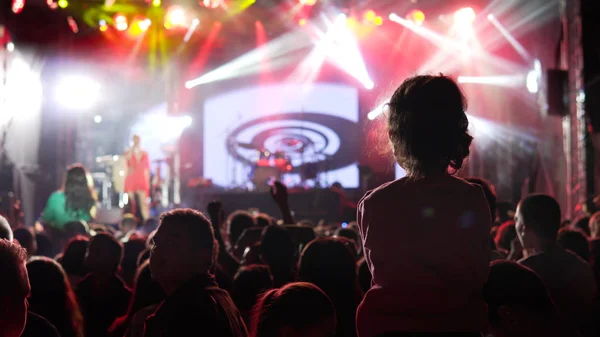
{"x": 75, "y": 201}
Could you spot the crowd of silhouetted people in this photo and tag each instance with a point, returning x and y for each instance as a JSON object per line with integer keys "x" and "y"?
{"x": 430, "y": 254}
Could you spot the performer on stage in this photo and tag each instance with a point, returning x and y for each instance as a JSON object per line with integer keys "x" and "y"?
{"x": 137, "y": 181}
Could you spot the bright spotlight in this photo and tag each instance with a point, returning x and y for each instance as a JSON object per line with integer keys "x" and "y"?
{"x": 156, "y": 3}
{"x": 17, "y": 6}
{"x": 186, "y": 121}
{"x": 77, "y": 92}
{"x": 175, "y": 17}
{"x": 10, "y": 46}
{"x": 369, "y": 85}
{"x": 532, "y": 83}
{"x": 212, "y": 3}
{"x": 307, "y": 2}
{"x": 464, "y": 16}
{"x": 302, "y": 22}
{"x": 533, "y": 77}
{"x": 97, "y": 119}
{"x": 369, "y": 15}
{"x": 490, "y": 17}
{"x": 63, "y": 4}
{"x": 394, "y": 17}
{"x": 415, "y": 16}
{"x": 144, "y": 24}
{"x": 120, "y": 22}
{"x": 102, "y": 25}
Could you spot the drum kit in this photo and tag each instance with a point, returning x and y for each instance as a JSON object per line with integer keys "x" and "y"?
{"x": 268, "y": 167}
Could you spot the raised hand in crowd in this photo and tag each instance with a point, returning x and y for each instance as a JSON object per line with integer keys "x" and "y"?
{"x": 279, "y": 192}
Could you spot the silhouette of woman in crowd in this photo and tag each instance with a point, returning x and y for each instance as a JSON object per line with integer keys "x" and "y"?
{"x": 53, "y": 298}
{"x": 297, "y": 309}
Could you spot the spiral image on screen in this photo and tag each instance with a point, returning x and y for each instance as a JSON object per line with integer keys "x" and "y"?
{"x": 297, "y": 136}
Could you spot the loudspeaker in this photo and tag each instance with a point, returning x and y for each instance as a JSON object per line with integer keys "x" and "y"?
{"x": 558, "y": 92}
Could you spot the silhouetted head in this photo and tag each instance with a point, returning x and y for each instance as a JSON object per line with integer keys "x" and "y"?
{"x": 263, "y": 220}
{"x": 277, "y": 246}
{"x": 330, "y": 264}
{"x": 505, "y": 234}
{"x": 427, "y": 126}
{"x": 575, "y": 241}
{"x": 517, "y": 299}
{"x": 184, "y": 245}
{"x": 78, "y": 190}
{"x": 237, "y": 222}
{"x": 250, "y": 282}
{"x": 5, "y": 230}
{"x": 14, "y": 283}
{"x": 73, "y": 257}
{"x": 538, "y": 220}
{"x": 75, "y": 228}
{"x": 135, "y": 140}
{"x": 44, "y": 245}
{"x": 52, "y": 296}
{"x": 489, "y": 191}
{"x": 351, "y": 235}
{"x": 26, "y": 239}
{"x": 104, "y": 254}
{"x": 131, "y": 252}
{"x": 295, "y": 310}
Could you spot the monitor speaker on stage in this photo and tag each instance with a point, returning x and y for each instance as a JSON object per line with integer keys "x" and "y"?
{"x": 558, "y": 92}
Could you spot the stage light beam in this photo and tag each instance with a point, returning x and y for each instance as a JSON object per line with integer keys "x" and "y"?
{"x": 77, "y": 92}
{"x": 191, "y": 30}
{"x": 277, "y": 51}
{"x": 508, "y": 36}
{"x": 379, "y": 110}
{"x": 344, "y": 52}
{"x": 510, "y": 81}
